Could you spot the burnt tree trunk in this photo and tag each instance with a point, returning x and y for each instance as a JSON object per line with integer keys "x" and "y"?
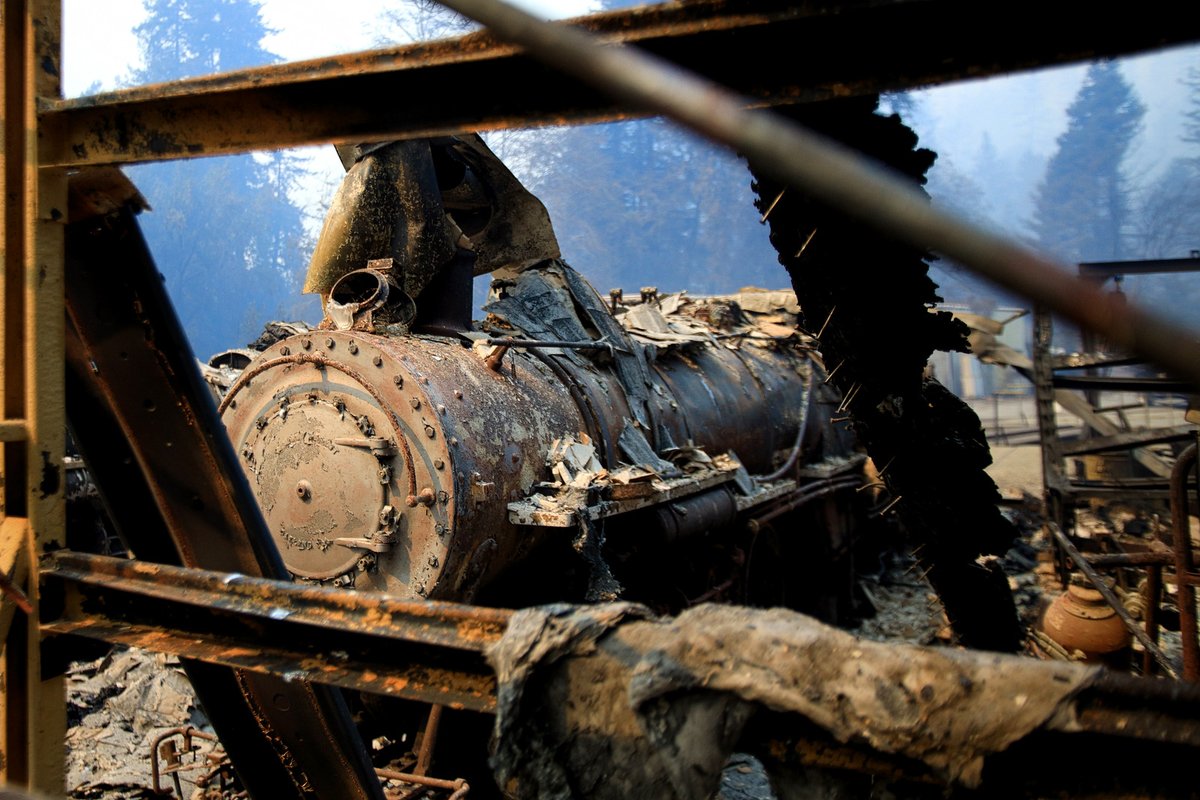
{"x": 870, "y": 298}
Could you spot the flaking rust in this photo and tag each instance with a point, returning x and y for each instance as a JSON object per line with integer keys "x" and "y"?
{"x": 430, "y": 457}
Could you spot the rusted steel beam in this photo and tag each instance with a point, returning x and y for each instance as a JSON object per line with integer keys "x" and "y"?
{"x": 428, "y": 622}
{"x": 366, "y": 641}
{"x": 771, "y": 51}
{"x": 1121, "y": 441}
{"x": 1103, "y": 270}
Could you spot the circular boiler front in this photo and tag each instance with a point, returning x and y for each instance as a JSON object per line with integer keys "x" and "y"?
{"x": 387, "y": 462}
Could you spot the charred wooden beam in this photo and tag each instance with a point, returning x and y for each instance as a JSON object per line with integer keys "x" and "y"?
{"x": 772, "y": 51}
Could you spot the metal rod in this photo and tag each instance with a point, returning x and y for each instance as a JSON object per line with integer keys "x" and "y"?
{"x": 1182, "y": 542}
{"x": 839, "y": 177}
{"x": 549, "y": 343}
{"x": 1105, "y": 560}
{"x": 803, "y": 496}
{"x": 1153, "y": 598}
{"x": 1097, "y": 581}
{"x": 420, "y": 780}
{"x": 428, "y": 740}
{"x": 801, "y": 429}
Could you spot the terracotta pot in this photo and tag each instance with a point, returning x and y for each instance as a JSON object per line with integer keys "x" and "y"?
{"x": 1080, "y": 619}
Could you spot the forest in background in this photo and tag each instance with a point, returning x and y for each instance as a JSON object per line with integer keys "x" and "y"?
{"x": 634, "y": 204}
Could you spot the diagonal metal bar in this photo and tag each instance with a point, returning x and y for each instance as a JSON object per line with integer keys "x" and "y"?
{"x": 839, "y": 177}
{"x": 146, "y": 424}
{"x": 771, "y": 51}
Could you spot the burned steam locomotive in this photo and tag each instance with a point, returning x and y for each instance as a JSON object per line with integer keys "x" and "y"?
{"x": 569, "y": 447}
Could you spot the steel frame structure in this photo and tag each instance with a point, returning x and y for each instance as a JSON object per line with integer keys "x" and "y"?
{"x": 775, "y": 51}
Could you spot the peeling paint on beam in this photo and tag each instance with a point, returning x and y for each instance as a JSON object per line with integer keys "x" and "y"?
{"x": 774, "y": 51}
{"x": 428, "y": 651}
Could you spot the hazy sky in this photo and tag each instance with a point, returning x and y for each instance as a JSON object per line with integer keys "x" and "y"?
{"x": 1021, "y": 114}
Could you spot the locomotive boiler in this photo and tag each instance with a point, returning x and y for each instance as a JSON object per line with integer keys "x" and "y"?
{"x": 568, "y": 447}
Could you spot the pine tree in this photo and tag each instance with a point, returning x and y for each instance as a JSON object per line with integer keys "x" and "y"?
{"x": 1081, "y": 209}
{"x": 224, "y": 233}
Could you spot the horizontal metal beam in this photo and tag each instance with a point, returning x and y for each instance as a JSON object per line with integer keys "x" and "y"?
{"x": 1120, "y": 383}
{"x": 771, "y": 51}
{"x": 429, "y": 651}
{"x": 1128, "y": 439}
{"x": 1103, "y": 270}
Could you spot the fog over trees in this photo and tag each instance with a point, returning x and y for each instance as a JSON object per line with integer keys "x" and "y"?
{"x": 639, "y": 203}
{"x": 225, "y": 232}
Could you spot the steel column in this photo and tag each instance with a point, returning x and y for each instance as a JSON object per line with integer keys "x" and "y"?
{"x": 33, "y": 214}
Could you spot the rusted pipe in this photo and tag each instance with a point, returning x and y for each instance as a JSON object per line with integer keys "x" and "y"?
{"x": 600, "y": 345}
{"x": 797, "y": 445}
{"x": 460, "y": 786}
{"x": 188, "y": 732}
{"x": 803, "y": 496}
{"x": 496, "y": 359}
{"x": 428, "y": 740}
{"x": 837, "y": 176}
{"x": 1153, "y": 597}
{"x": 1069, "y": 549}
{"x": 1107, "y": 560}
{"x": 1182, "y": 543}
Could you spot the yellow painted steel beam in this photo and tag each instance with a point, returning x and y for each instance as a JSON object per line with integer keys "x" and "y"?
{"x": 34, "y": 215}
{"x": 772, "y": 51}
{"x": 14, "y": 567}
{"x": 13, "y": 430}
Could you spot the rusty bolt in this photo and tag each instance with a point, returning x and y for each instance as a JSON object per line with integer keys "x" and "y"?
{"x": 443, "y": 497}
{"x": 424, "y": 498}
{"x": 415, "y": 403}
{"x": 329, "y": 342}
{"x": 430, "y": 432}
{"x": 458, "y": 394}
{"x": 441, "y": 408}
{"x": 377, "y": 360}
{"x": 285, "y": 351}
{"x": 399, "y": 381}
{"x": 454, "y": 441}
{"x": 306, "y": 344}
{"x": 433, "y": 561}
{"x": 439, "y": 464}
{"x": 353, "y": 348}
{"x": 304, "y": 490}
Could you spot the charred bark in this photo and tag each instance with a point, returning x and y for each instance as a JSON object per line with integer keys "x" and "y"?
{"x": 869, "y": 300}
